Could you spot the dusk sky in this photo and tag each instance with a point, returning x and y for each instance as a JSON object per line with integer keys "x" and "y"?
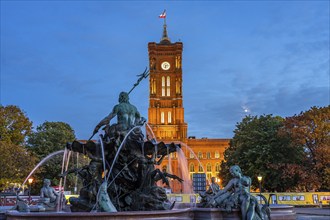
{"x": 69, "y": 60}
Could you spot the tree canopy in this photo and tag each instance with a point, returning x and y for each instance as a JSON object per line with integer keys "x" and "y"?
{"x": 310, "y": 131}
{"x": 50, "y": 137}
{"x": 291, "y": 153}
{"x": 15, "y": 164}
{"x": 257, "y": 148}
{"x": 14, "y": 125}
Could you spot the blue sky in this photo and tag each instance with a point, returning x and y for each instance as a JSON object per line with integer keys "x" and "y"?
{"x": 68, "y": 60}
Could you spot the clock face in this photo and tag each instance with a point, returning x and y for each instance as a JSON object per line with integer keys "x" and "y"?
{"x": 166, "y": 65}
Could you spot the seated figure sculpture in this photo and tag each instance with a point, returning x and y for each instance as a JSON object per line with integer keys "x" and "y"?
{"x": 91, "y": 176}
{"x": 49, "y": 198}
{"x": 236, "y": 194}
{"x": 212, "y": 190}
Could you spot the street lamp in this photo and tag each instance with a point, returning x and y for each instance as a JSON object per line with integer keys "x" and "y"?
{"x": 218, "y": 180}
{"x": 260, "y": 179}
{"x": 30, "y": 180}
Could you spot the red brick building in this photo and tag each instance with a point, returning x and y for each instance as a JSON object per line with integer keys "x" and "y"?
{"x": 166, "y": 113}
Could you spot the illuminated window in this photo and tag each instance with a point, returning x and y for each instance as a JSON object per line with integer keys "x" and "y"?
{"x": 178, "y": 86}
{"x": 169, "y": 117}
{"x": 163, "y": 86}
{"x": 217, "y": 167}
{"x": 200, "y": 155}
{"x": 208, "y": 167}
{"x": 200, "y": 168}
{"x": 208, "y": 155}
{"x": 284, "y": 198}
{"x": 209, "y": 175}
{"x": 153, "y": 86}
{"x": 168, "y": 84}
{"x": 191, "y": 167}
{"x": 162, "y": 117}
{"x": 217, "y": 155}
{"x": 298, "y": 198}
{"x": 191, "y": 156}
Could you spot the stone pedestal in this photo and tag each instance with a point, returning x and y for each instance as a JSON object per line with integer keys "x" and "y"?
{"x": 279, "y": 212}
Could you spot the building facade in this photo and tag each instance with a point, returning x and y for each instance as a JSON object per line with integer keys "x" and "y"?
{"x": 166, "y": 116}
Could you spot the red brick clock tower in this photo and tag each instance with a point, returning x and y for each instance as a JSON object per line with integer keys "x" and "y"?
{"x": 166, "y": 112}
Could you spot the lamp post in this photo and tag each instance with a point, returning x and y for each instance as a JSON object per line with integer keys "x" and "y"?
{"x": 30, "y": 180}
{"x": 259, "y": 180}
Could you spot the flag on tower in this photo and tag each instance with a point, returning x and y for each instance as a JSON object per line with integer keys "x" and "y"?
{"x": 163, "y": 15}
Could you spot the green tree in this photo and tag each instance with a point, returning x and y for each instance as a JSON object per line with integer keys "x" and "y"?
{"x": 48, "y": 138}
{"x": 15, "y": 164}
{"x": 14, "y": 125}
{"x": 310, "y": 131}
{"x": 258, "y": 149}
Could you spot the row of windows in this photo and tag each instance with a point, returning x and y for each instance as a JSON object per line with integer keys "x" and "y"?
{"x": 168, "y": 135}
{"x": 201, "y": 169}
{"x": 192, "y": 155}
{"x": 300, "y": 198}
{"x": 208, "y": 155}
{"x": 288, "y": 198}
{"x": 166, "y": 86}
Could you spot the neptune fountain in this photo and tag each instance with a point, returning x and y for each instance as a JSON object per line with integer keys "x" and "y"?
{"x": 128, "y": 168}
{"x": 120, "y": 180}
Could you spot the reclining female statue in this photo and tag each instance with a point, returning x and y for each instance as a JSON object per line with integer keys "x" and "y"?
{"x": 236, "y": 194}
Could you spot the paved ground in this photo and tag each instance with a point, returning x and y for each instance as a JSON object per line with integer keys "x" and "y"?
{"x": 313, "y": 213}
{"x": 312, "y": 217}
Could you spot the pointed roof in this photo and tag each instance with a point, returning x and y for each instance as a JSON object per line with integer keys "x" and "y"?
{"x": 165, "y": 39}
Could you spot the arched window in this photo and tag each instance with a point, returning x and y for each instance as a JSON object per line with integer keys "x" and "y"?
{"x": 162, "y": 117}
{"x": 208, "y": 155}
{"x": 163, "y": 86}
{"x": 191, "y": 167}
{"x": 169, "y": 117}
{"x": 191, "y": 156}
{"x": 217, "y": 167}
{"x": 208, "y": 167}
{"x": 217, "y": 155}
{"x": 200, "y": 155}
{"x": 168, "y": 85}
{"x": 154, "y": 86}
{"x": 200, "y": 168}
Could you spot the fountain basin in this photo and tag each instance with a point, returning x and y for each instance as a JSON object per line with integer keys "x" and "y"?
{"x": 279, "y": 212}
